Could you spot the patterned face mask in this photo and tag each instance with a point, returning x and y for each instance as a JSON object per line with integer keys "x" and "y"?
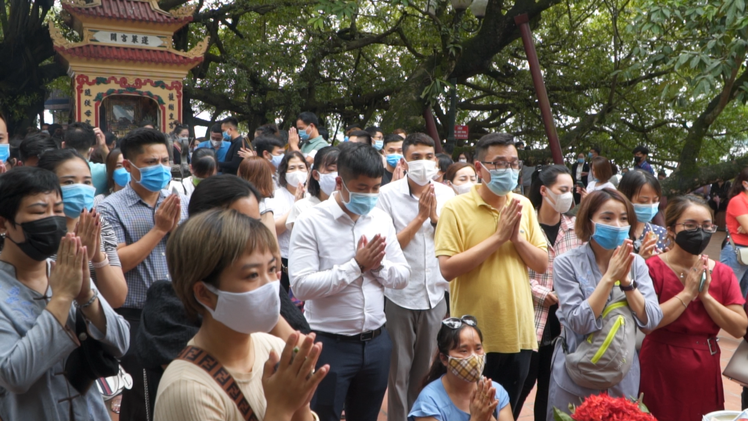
{"x": 469, "y": 369}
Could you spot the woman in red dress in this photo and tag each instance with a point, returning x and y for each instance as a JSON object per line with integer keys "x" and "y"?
{"x": 680, "y": 371}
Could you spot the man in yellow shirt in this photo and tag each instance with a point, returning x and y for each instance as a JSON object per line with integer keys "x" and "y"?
{"x": 486, "y": 240}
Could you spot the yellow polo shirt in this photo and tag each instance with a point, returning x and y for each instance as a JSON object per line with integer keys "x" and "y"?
{"x": 498, "y": 291}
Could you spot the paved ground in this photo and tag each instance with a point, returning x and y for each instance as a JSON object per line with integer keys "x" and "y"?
{"x": 727, "y": 343}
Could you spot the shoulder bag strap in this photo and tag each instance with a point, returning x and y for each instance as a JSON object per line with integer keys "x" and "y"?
{"x": 224, "y": 379}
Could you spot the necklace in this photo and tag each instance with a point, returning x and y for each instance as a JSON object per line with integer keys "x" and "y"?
{"x": 667, "y": 262}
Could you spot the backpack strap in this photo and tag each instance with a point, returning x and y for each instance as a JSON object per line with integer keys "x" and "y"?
{"x": 224, "y": 379}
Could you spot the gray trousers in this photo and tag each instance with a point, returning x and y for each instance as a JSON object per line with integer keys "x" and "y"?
{"x": 413, "y": 334}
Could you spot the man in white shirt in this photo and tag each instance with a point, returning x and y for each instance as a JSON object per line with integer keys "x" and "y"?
{"x": 343, "y": 254}
{"x": 414, "y": 314}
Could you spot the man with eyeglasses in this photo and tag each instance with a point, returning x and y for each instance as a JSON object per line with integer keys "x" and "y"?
{"x": 486, "y": 240}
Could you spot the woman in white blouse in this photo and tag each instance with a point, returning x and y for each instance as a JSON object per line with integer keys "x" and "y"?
{"x": 601, "y": 174}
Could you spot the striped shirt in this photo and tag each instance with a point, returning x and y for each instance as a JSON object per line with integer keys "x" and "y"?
{"x": 132, "y": 218}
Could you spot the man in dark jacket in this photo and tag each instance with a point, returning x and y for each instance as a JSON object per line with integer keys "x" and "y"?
{"x": 579, "y": 172}
{"x": 231, "y": 163}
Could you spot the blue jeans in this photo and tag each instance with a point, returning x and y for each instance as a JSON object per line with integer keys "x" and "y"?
{"x": 728, "y": 257}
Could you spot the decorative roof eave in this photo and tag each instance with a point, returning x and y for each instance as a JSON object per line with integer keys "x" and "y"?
{"x": 129, "y": 10}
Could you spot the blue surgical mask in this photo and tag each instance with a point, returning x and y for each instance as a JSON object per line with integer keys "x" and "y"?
{"x": 4, "y": 152}
{"x": 580, "y": 160}
{"x": 393, "y": 159}
{"x": 276, "y": 160}
{"x": 590, "y": 154}
{"x": 502, "y": 181}
{"x": 155, "y": 177}
{"x": 121, "y": 177}
{"x": 378, "y": 144}
{"x": 303, "y": 135}
{"x": 76, "y": 197}
{"x": 645, "y": 213}
{"x": 610, "y": 237}
{"x": 345, "y": 139}
{"x": 360, "y": 203}
{"x": 226, "y": 136}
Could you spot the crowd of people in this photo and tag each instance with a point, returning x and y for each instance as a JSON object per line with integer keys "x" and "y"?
{"x": 283, "y": 278}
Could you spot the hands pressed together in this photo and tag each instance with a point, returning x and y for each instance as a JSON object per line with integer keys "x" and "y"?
{"x": 509, "y": 222}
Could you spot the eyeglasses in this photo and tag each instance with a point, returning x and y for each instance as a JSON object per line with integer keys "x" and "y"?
{"x": 693, "y": 226}
{"x": 455, "y": 323}
{"x": 502, "y": 165}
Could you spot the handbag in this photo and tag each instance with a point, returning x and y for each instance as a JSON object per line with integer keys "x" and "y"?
{"x": 737, "y": 369}
{"x": 224, "y": 379}
{"x": 740, "y": 253}
{"x": 90, "y": 361}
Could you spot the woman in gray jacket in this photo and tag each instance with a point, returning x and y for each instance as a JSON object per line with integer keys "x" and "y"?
{"x": 38, "y": 306}
{"x": 587, "y": 279}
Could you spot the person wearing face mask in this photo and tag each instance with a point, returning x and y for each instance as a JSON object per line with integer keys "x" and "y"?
{"x": 344, "y": 252}
{"x": 393, "y": 153}
{"x": 305, "y": 137}
{"x": 142, "y": 215}
{"x": 271, "y": 149}
{"x": 461, "y": 176}
{"x": 587, "y": 280}
{"x": 292, "y": 177}
{"x": 39, "y": 304}
{"x": 180, "y": 140}
{"x": 641, "y": 153}
{"x": 217, "y": 143}
{"x": 736, "y": 224}
{"x": 233, "y": 284}
{"x": 486, "y": 240}
{"x": 414, "y": 314}
{"x": 644, "y": 192}
{"x": 117, "y": 176}
{"x": 84, "y": 138}
{"x": 580, "y": 170}
{"x": 95, "y": 233}
{"x": 4, "y": 144}
{"x": 321, "y": 183}
{"x": 551, "y": 197}
{"x": 203, "y": 165}
{"x": 682, "y": 351}
{"x": 454, "y": 389}
{"x": 230, "y": 133}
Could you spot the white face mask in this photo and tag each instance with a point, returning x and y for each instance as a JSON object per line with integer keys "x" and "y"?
{"x": 463, "y": 188}
{"x": 327, "y": 182}
{"x": 563, "y": 201}
{"x": 422, "y": 171}
{"x": 462, "y": 160}
{"x": 295, "y": 178}
{"x": 247, "y": 312}
{"x": 216, "y": 143}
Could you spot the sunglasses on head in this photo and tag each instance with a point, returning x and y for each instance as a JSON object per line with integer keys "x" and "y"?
{"x": 456, "y": 323}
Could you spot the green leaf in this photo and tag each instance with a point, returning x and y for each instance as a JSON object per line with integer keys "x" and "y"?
{"x": 695, "y": 62}
{"x": 561, "y": 416}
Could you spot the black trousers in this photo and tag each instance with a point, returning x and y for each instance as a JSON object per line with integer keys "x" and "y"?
{"x": 540, "y": 370}
{"x": 134, "y": 401}
{"x": 510, "y": 371}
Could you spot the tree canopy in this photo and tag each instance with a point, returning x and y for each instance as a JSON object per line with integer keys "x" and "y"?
{"x": 668, "y": 74}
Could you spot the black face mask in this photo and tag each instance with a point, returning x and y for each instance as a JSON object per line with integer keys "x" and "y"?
{"x": 637, "y": 159}
{"x": 693, "y": 242}
{"x": 43, "y": 237}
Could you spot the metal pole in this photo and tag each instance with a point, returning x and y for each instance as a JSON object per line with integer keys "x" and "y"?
{"x": 537, "y": 79}
{"x": 451, "y": 119}
{"x": 431, "y": 128}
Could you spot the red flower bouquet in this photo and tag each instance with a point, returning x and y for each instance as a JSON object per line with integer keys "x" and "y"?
{"x": 605, "y": 408}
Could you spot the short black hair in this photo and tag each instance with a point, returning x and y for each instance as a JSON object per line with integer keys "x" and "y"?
{"x": 216, "y": 128}
{"x": 111, "y": 139}
{"x": 417, "y": 139}
{"x": 204, "y": 162}
{"x": 269, "y": 129}
{"x": 79, "y": 136}
{"x": 132, "y": 144}
{"x": 632, "y": 182}
{"x": 51, "y": 159}
{"x": 21, "y": 182}
{"x": 357, "y": 159}
{"x": 220, "y": 191}
{"x": 362, "y": 133}
{"x": 444, "y": 161}
{"x": 35, "y": 145}
{"x": 266, "y": 143}
{"x": 391, "y": 138}
{"x": 325, "y": 157}
{"x": 231, "y": 121}
{"x": 372, "y": 130}
{"x": 492, "y": 139}
{"x": 283, "y": 167}
{"x": 323, "y": 132}
{"x": 596, "y": 149}
{"x": 641, "y": 148}
{"x": 309, "y": 117}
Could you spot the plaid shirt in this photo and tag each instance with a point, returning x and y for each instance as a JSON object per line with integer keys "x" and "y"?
{"x": 132, "y": 218}
{"x": 542, "y": 283}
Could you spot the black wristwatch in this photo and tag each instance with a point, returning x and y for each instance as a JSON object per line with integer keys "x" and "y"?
{"x": 631, "y": 287}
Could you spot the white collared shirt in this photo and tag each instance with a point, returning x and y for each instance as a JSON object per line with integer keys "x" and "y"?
{"x": 426, "y": 286}
{"x": 324, "y": 273}
{"x": 281, "y": 203}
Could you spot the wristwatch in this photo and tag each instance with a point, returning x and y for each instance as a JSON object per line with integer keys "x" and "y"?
{"x": 632, "y": 286}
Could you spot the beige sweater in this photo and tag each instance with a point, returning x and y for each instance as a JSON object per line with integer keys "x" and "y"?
{"x": 189, "y": 393}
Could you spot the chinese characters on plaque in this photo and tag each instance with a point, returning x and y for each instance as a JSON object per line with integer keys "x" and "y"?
{"x": 128, "y": 39}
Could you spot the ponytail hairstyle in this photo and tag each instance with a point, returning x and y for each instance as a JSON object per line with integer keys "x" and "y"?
{"x": 204, "y": 162}
{"x": 544, "y": 176}
{"x": 446, "y": 340}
